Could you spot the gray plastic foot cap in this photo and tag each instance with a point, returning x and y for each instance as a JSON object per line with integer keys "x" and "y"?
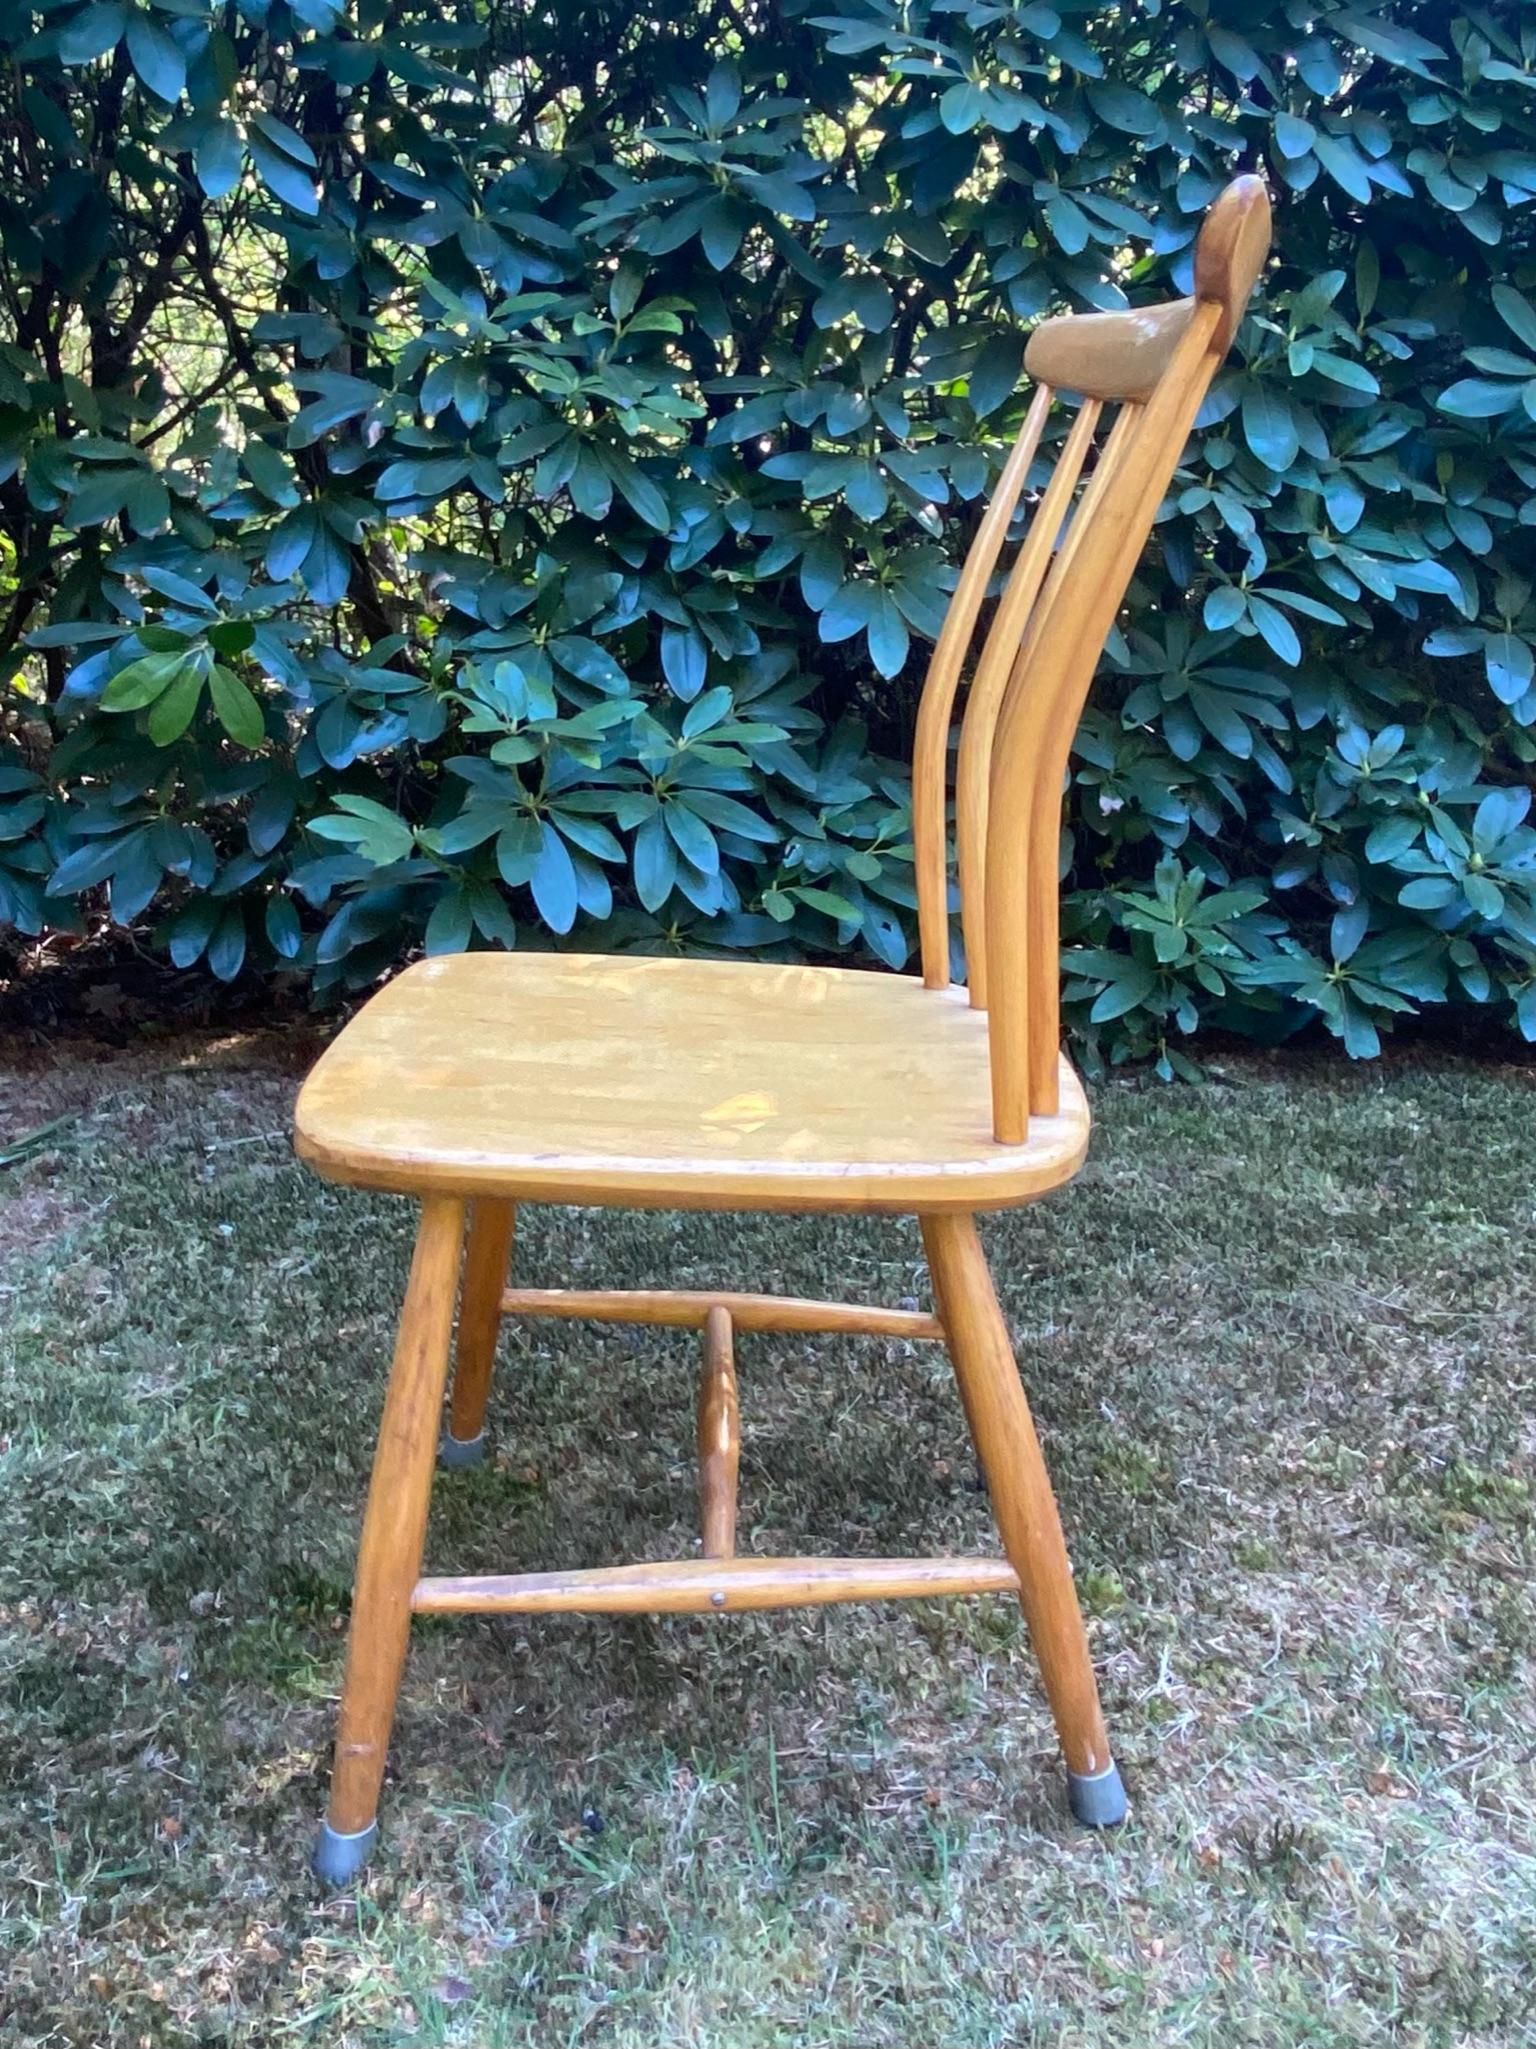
{"x": 1097, "y": 1798}
{"x": 461, "y": 1451}
{"x": 339, "y": 1858}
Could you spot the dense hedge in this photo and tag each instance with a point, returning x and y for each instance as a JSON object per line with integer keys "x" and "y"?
{"x": 482, "y": 472}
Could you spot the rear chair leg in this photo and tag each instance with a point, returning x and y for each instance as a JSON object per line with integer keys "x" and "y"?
{"x": 1025, "y": 1508}
{"x": 394, "y": 1532}
{"x": 487, "y": 1259}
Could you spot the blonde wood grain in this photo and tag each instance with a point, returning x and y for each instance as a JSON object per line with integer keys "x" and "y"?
{"x": 1022, "y": 1501}
{"x": 1035, "y": 733}
{"x": 1061, "y": 714}
{"x": 701, "y": 1586}
{"x": 674, "y": 1083}
{"x": 719, "y": 1432}
{"x": 930, "y": 755}
{"x": 1230, "y": 253}
{"x": 1021, "y": 950}
{"x": 1045, "y": 697}
{"x": 974, "y": 762}
{"x": 1126, "y": 355}
{"x": 395, "y": 1522}
{"x": 1107, "y": 467}
{"x": 705, "y": 1084}
{"x": 1108, "y": 355}
{"x": 487, "y": 1256}
{"x": 689, "y": 1308}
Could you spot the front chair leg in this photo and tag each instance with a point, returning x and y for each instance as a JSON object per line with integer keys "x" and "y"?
{"x": 394, "y": 1533}
{"x": 487, "y": 1259}
{"x": 1025, "y": 1508}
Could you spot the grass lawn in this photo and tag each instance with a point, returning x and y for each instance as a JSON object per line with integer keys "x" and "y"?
{"x": 1280, "y": 1338}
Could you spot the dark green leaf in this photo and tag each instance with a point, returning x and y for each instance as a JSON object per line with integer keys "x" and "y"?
{"x": 692, "y": 837}
{"x": 284, "y": 139}
{"x": 1509, "y": 664}
{"x": 1275, "y": 628}
{"x": 219, "y": 155}
{"x": 684, "y": 660}
{"x": 1476, "y": 399}
{"x": 226, "y": 947}
{"x": 553, "y": 881}
{"x": 92, "y": 32}
{"x": 996, "y": 373}
{"x": 282, "y": 925}
{"x": 282, "y": 176}
{"x": 887, "y": 635}
{"x": 173, "y": 709}
{"x": 156, "y": 57}
{"x": 655, "y": 862}
{"x": 142, "y": 681}
{"x": 235, "y": 708}
{"x": 1269, "y": 427}
{"x": 1517, "y": 313}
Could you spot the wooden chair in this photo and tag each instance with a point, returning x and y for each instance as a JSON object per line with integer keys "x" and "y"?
{"x": 479, "y": 1081}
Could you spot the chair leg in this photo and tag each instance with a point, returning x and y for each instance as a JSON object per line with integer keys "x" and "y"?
{"x": 394, "y": 1532}
{"x": 487, "y": 1259}
{"x": 1025, "y": 1508}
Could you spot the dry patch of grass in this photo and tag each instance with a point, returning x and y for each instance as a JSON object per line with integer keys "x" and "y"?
{"x": 1280, "y": 1340}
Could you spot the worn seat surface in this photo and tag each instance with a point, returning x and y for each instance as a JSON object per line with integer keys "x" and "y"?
{"x": 666, "y": 1082}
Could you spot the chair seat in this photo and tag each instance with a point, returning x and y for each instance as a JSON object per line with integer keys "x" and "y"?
{"x": 671, "y": 1083}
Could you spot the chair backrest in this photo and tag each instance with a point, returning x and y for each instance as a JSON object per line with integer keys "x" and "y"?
{"x": 1055, "y": 611}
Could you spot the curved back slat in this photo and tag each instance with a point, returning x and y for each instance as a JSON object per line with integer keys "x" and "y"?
{"x": 1034, "y": 737}
{"x": 973, "y": 768}
{"x": 930, "y": 754}
{"x": 1044, "y": 642}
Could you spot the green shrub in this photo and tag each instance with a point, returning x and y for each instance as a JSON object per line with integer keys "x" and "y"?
{"x": 479, "y": 472}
